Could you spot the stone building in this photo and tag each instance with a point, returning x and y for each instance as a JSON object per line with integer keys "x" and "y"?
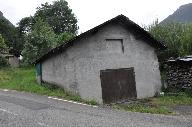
{"x": 12, "y": 60}
{"x": 112, "y": 62}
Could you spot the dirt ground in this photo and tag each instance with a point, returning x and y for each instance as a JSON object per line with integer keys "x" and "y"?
{"x": 185, "y": 110}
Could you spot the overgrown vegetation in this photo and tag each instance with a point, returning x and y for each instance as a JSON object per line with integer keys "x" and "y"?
{"x": 52, "y": 25}
{"x": 11, "y": 37}
{"x": 3, "y": 49}
{"x": 176, "y": 36}
{"x": 40, "y": 40}
{"x": 143, "y": 108}
{"x": 59, "y": 16}
{"x": 3, "y": 46}
{"x": 23, "y": 79}
{"x": 157, "y": 105}
{"x": 3, "y": 62}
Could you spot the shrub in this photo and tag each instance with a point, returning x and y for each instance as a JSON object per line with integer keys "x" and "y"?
{"x": 3, "y": 62}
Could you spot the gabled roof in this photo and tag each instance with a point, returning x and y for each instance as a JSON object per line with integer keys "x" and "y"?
{"x": 135, "y": 29}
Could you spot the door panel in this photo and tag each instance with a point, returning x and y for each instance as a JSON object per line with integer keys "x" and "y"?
{"x": 118, "y": 84}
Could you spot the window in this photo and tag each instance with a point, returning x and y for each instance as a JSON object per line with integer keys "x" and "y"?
{"x": 115, "y": 45}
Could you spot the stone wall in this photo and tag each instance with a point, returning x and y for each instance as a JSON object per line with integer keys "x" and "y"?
{"x": 179, "y": 75}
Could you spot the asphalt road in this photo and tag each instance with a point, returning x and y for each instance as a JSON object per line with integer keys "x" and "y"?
{"x": 30, "y": 110}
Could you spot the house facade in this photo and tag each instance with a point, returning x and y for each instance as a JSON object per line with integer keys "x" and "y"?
{"x": 112, "y": 62}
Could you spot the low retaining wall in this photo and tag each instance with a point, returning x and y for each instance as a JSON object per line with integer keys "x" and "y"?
{"x": 179, "y": 75}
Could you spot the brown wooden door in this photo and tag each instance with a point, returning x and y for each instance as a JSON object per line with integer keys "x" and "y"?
{"x": 118, "y": 84}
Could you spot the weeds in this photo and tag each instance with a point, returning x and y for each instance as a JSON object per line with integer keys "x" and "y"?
{"x": 23, "y": 79}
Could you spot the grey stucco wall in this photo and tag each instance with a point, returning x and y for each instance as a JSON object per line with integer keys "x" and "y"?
{"x": 14, "y": 61}
{"x": 78, "y": 68}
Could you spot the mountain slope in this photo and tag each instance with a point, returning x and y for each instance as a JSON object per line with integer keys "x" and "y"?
{"x": 182, "y": 15}
{"x": 4, "y": 19}
{"x": 1, "y": 14}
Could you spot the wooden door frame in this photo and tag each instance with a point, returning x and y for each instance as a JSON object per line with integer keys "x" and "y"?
{"x": 119, "y": 69}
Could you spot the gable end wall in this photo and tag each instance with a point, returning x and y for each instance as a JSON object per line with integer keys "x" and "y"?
{"x": 78, "y": 68}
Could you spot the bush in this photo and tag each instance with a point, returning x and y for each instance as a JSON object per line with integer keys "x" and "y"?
{"x": 3, "y": 62}
{"x": 188, "y": 92}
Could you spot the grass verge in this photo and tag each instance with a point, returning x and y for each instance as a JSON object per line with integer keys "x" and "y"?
{"x": 23, "y": 79}
{"x": 156, "y": 105}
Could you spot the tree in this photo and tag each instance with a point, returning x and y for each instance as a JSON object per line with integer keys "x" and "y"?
{"x": 186, "y": 40}
{"x": 176, "y": 36}
{"x": 10, "y": 35}
{"x": 170, "y": 34}
{"x": 3, "y": 46}
{"x": 3, "y": 49}
{"x": 24, "y": 27}
{"x": 39, "y": 40}
{"x": 59, "y": 16}
{"x": 63, "y": 37}
{"x": 25, "y": 24}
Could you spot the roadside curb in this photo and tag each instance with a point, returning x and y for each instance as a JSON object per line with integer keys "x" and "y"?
{"x": 70, "y": 101}
{"x": 52, "y": 97}
{"x": 6, "y": 90}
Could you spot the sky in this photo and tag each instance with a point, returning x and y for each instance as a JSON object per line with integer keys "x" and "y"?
{"x": 91, "y": 13}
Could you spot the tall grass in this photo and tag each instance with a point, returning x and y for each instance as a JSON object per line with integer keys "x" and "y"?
{"x": 23, "y": 79}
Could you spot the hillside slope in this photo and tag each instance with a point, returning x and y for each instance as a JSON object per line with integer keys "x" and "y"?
{"x": 182, "y": 15}
{"x": 4, "y": 19}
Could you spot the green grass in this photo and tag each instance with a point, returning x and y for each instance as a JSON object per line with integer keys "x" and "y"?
{"x": 156, "y": 105}
{"x": 143, "y": 108}
{"x": 23, "y": 79}
{"x": 180, "y": 99}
